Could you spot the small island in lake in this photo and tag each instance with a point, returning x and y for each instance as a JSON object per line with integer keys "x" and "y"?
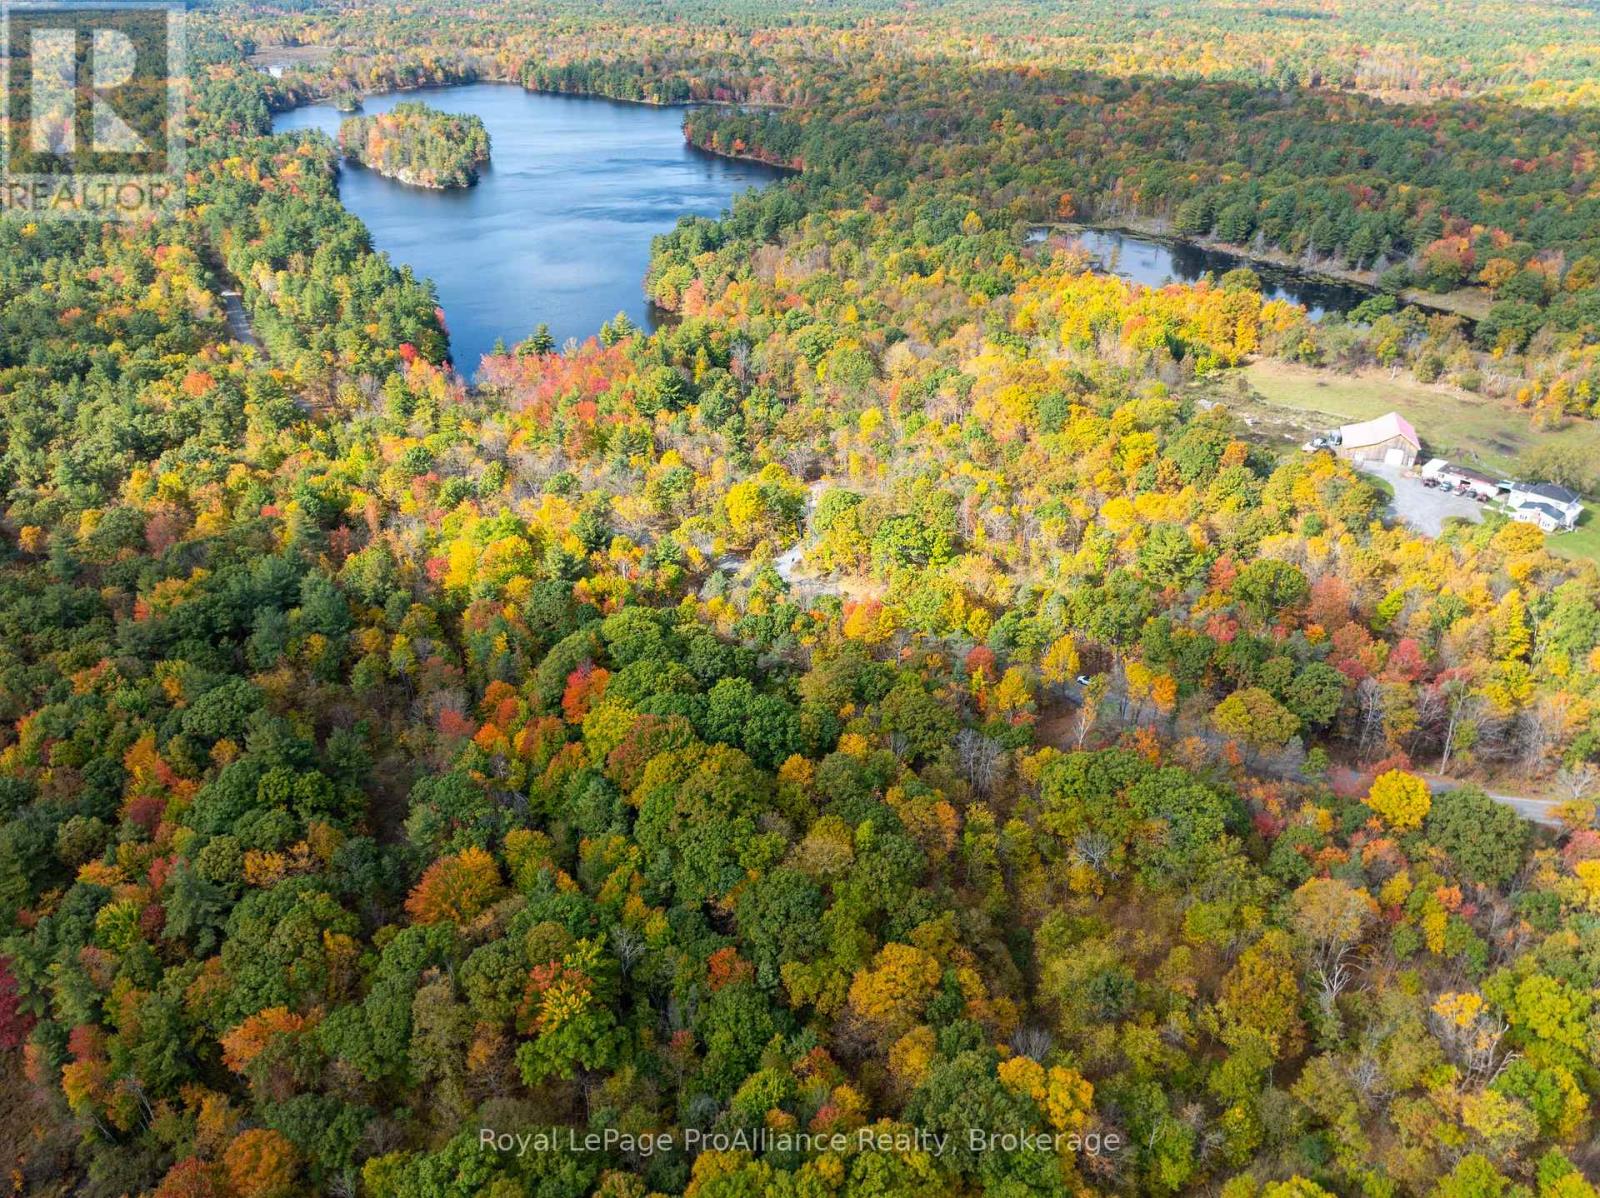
{"x": 418, "y": 145}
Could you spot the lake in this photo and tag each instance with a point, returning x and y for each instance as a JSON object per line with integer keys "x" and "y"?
{"x": 558, "y": 228}
{"x": 1155, "y": 263}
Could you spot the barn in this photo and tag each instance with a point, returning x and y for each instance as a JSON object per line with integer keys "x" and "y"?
{"x": 1389, "y": 439}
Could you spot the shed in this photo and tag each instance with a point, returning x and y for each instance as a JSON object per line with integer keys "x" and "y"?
{"x": 1389, "y": 439}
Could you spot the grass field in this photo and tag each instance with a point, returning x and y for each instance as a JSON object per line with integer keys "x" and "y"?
{"x": 1452, "y": 423}
{"x": 1284, "y": 402}
{"x": 1581, "y": 542}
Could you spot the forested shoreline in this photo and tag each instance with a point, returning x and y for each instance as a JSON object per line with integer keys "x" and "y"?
{"x": 1543, "y": 308}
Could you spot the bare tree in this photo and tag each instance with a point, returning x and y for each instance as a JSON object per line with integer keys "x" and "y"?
{"x": 1332, "y": 918}
{"x": 628, "y": 946}
{"x": 1474, "y": 1038}
{"x": 1536, "y": 729}
{"x": 1432, "y": 709}
{"x": 898, "y": 744}
{"x": 1368, "y": 1076}
{"x": 1033, "y": 1042}
{"x": 1579, "y": 780}
{"x": 1463, "y": 707}
{"x": 1333, "y": 978}
{"x": 1370, "y": 707}
{"x": 1092, "y": 849}
{"x": 980, "y": 758}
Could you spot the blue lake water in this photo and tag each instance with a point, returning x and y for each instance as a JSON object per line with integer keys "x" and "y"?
{"x": 558, "y": 228}
{"x": 1155, "y": 262}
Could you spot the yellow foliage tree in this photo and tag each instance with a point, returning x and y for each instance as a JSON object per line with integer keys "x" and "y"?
{"x": 1012, "y": 694}
{"x": 1400, "y": 799}
{"x": 1512, "y": 636}
{"x": 1060, "y": 662}
{"x": 1063, "y": 1094}
{"x": 892, "y": 993}
{"x": 912, "y": 1055}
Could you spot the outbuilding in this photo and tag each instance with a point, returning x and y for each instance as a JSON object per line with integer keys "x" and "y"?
{"x": 1471, "y": 482}
{"x": 1389, "y": 439}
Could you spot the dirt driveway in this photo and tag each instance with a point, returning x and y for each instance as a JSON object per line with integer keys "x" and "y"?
{"x": 1423, "y": 508}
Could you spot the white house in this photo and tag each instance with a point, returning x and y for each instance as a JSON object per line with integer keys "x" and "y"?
{"x": 1553, "y": 508}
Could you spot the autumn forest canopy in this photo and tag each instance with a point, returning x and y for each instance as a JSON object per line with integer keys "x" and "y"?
{"x": 895, "y": 705}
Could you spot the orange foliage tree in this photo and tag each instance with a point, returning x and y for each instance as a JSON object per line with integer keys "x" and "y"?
{"x": 455, "y": 889}
{"x": 260, "y": 1163}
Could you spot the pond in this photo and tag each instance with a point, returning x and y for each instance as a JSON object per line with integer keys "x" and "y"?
{"x": 1156, "y": 262}
{"x": 558, "y": 228}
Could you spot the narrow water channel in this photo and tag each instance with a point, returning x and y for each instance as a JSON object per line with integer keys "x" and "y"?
{"x": 1156, "y": 262}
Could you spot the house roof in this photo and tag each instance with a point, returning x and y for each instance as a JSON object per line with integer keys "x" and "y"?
{"x": 1551, "y": 491}
{"x": 1554, "y": 513}
{"x": 1373, "y": 432}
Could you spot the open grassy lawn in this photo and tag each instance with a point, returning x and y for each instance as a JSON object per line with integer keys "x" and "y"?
{"x": 1581, "y": 542}
{"x": 1453, "y": 424}
{"x": 1285, "y": 403}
